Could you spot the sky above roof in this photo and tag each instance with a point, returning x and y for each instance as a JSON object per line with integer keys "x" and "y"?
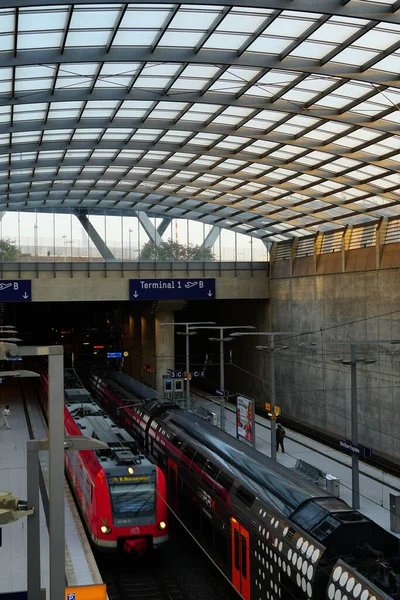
{"x": 246, "y": 115}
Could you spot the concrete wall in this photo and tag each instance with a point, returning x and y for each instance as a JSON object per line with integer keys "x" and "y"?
{"x": 358, "y": 305}
{"x": 114, "y": 285}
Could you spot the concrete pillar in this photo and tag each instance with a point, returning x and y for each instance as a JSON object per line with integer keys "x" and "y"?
{"x": 164, "y": 346}
{"x": 345, "y": 246}
{"x": 148, "y": 362}
{"x": 133, "y": 344}
{"x": 293, "y": 253}
{"x": 380, "y": 239}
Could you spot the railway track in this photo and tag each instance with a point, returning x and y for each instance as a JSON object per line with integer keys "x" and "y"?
{"x": 139, "y": 579}
{"x": 180, "y": 571}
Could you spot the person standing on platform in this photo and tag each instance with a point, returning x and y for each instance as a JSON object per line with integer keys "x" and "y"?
{"x": 6, "y": 416}
{"x": 280, "y": 436}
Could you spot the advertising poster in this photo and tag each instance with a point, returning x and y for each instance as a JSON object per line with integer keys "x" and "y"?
{"x": 244, "y": 419}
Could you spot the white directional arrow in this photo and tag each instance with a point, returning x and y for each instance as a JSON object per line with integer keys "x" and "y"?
{"x": 209, "y": 293}
{"x": 135, "y": 294}
{"x": 25, "y": 296}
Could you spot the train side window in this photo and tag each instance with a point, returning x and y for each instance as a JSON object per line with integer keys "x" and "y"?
{"x": 210, "y": 470}
{"x": 236, "y": 550}
{"x": 178, "y": 443}
{"x": 221, "y": 546}
{"x": 246, "y": 497}
{"x": 244, "y": 557}
{"x": 189, "y": 452}
{"x": 225, "y": 481}
{"x": 199, "y": 460}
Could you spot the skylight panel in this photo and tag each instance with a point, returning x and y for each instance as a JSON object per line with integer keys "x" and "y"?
{"x": 333, "y": 32}
{"x": 142, "y": 17}
{"x": 225, "y": 41}
{"x": 353, "y": 56}
{"x": 313, "y": 50}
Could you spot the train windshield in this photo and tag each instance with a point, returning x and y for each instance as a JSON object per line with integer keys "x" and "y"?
{"x": 133, "y": 500}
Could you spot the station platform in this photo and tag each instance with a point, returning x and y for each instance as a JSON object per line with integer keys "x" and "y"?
{"x": 375, "y": 485}
{"x": 81, "y": 568}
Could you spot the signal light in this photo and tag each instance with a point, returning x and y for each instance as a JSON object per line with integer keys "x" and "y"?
{"x": 105, "y": 529}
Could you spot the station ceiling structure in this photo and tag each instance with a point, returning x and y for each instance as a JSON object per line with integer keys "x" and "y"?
{"x": 270, "y": 118}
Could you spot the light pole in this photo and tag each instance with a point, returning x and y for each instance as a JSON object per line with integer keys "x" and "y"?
{"x": 187, "y": 333}
{"x": 355, "y": 473}
{"x": 55, "y": 444}
{"x": 271, "y": 335}
{"x": 221, "y": 339}
{"x": 35, "y": 239}
{"x": 130, "y": 245}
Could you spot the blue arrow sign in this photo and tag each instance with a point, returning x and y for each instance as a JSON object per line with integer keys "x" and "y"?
{"x": 362, "y": 451}
{"x": 114, "y": 354}
{"x": 17, "y": 290}
{"x": 171, "y": 289}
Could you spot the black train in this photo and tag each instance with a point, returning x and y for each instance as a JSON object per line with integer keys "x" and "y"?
{"x": 273, "y": 534}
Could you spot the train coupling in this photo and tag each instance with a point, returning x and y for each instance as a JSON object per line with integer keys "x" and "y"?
{"x": 135, "y": 545}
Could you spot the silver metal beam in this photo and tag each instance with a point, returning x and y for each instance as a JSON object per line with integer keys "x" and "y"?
{"x": 149, "y": 228}
{"x": 163, "y": 226}
{"x": 140, "y": 181}
{"x": 213, "y": 98}
{"x": 211, "y": 238}
{"x": 114, "y": 182}
{"x": 33, "y": 534}
{"x": 202, "y": 56}
{"x": 94, "y": 236}
{"x": 56, "y": 471}
{"x": 371, "y": 10}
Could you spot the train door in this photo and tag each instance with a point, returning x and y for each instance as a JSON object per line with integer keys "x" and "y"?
{"x": 173, "y": 484}
{"x": 241, "y": 559}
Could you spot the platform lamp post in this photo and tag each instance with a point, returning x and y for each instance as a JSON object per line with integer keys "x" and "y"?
{"x": 55, "y": 444}
{"x": 355, "y": 472}
{"x": 188, "y": 333}
{"x": 271, "y": 348}
{"x": 130, "y": 244}
{"x": 221, "y": 339}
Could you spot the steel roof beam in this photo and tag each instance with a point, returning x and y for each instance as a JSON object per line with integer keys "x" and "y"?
{"x": 360, "y": 10}
{"x": 94, "y": 236}
{"x": 333, "y": 149}
{"x": 324, "y": 115}
{"x": 203, "y": 56}
{"x": 270, "y": 219}
{"x": 117, "y": 179}
{"x": 211, "y": 237}
{"x": 149, "y": 228}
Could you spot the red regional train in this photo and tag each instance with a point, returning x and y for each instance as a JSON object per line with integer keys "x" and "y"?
{"x": 120, "y": 493}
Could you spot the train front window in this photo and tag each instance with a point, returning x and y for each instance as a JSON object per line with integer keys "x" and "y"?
{"x": 133, "y": 500}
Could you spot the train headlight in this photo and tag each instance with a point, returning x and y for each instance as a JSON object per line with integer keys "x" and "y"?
{"x": 105, "y": 529}
{"x": 162, "y": 525}
{"x": 131, "y": 470}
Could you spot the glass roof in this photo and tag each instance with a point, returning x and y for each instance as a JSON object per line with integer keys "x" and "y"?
{"x": 264, "y": 116}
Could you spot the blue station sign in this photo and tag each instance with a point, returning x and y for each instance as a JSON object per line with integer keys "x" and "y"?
{"x": 362, "y": 451}
{"x": 16, "y": 290}
{"x": 171, "y": 289}
{"x": 114, "y": 354}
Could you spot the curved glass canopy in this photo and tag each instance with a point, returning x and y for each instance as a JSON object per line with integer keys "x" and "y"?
{"x": 270, "y": 118}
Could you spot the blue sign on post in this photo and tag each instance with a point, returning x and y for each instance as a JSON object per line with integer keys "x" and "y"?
{"x": 171, "y": 289}
{"x": 362, "y": 451}
{"x": 17, "y": 290}
{"x": 114, "y": 354}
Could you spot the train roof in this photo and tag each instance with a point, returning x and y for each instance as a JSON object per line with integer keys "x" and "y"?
{"x": 269, "y": 478}
{"x": 94, "y": 422}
